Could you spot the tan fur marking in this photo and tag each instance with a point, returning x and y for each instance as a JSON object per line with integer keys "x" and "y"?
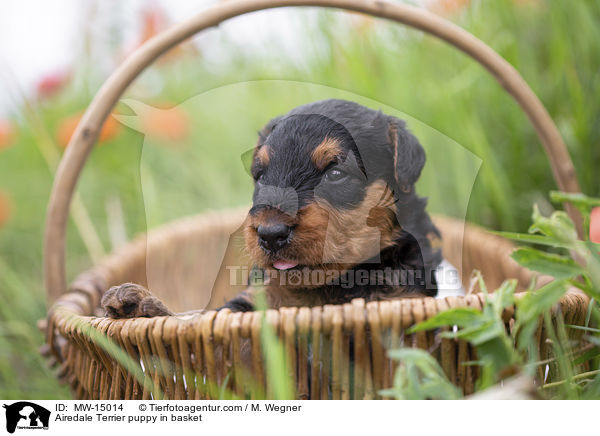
{"x": 434, "y": 240}
{"x": 262, "y": 154}
{"x": 325, "y": 152}
{"x": 360, "y": 233}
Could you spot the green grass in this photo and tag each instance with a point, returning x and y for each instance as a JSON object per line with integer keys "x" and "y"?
{"x": 485, "y": 161}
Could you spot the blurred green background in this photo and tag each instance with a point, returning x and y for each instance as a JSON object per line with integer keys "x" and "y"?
{"x": 485, "y": 161}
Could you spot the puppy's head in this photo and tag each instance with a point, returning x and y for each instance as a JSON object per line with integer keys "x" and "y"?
{"x": 332, "y": 181}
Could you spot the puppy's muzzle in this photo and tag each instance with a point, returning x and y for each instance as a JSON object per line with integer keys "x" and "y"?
{"x": 273, "y": 237}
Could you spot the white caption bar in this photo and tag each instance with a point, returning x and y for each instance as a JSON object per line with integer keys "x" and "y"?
{"x": 297, "y": 417}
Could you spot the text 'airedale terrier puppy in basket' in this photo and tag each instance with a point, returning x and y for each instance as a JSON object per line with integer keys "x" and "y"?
{"x": 335, "y": 214}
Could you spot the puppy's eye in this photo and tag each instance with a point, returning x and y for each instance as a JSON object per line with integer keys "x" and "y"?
{"x": 335, "y": 175}
{"x": 258, "y": 176}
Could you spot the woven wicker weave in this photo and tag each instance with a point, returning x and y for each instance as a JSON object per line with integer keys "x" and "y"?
{"x": 335, "y": 351}
{"x": 211, "y": 344}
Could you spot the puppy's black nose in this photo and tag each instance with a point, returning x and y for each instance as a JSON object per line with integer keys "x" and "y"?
{"x": 273, "y": 237}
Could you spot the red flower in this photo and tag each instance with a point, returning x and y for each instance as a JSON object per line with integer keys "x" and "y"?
{"x": 5, "y": 208}
{"x": 154, "y": 20}
{"x": 449, "y": 7}
{"x": 51, "y": 83}
{"x": 168, "y": 125}
{"x": 67, "y": 127}
{"x": 595, "y": 225}
{"x": 7, "y": 134}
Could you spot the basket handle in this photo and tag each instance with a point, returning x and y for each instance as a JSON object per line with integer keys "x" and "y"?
{"x": 87, "y": 131}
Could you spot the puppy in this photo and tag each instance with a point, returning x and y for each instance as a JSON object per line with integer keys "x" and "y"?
{"x": 335, "y": 215}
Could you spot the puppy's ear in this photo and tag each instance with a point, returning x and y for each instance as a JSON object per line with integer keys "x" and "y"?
{"x": 265, "y": 131}
{"x": 248, "y": 156}
{"x": 409, "y": 155}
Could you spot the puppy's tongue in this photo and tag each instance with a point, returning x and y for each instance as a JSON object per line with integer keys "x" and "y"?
{"x": 282, "y": 264}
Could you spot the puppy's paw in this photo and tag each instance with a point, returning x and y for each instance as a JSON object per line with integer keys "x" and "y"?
{"x": 130, "y": 301}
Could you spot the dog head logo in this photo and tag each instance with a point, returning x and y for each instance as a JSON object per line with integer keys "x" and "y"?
{"x": 334, "y": 181}
{"x": 26, "y": 415}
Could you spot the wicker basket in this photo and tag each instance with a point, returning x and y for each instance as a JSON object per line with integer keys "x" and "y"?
{"x": 335, "y": 351}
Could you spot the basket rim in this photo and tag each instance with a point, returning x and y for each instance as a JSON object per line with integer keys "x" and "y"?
{"x": 63, "y": 311}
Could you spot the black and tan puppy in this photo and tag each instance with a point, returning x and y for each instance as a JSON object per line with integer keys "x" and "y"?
{"x": 335, "y": 214}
